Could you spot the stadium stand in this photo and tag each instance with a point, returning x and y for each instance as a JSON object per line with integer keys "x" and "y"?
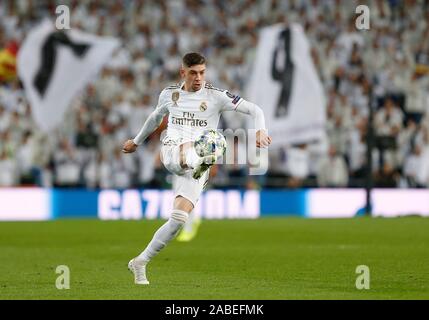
{"x": 391, "y": 61}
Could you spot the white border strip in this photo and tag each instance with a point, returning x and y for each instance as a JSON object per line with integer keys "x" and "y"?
{"x": 21, "y": 204}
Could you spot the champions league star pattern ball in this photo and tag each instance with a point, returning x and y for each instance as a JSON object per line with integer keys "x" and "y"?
{"x": 210, "y": 142}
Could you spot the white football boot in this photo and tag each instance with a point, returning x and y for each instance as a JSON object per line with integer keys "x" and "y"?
{"x": 203, "y": 164}
{"x": 139, "y": 272}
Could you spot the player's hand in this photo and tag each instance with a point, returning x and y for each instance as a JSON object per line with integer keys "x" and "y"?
{"x": 129, "y": 146}
{"x": 262, "y": 139}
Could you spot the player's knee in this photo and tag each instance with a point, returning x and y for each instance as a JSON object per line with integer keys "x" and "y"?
{"x": 182, "y": 202}
{"x": 172, "y": 162}
{"x": 179, "y": 216}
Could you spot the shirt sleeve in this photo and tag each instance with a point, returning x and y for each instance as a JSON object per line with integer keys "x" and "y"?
{"x": 228, "y": 101}
{"x": 231, "y": 102}
{"x": 154, "y": 119}
{"x": 254, "y": 111}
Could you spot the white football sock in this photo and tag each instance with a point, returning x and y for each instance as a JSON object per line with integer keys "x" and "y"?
{"x": 191, "y": 157}
{"x": 163, "y": 236}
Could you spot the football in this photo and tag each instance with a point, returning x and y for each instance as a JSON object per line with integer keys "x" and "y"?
{"x": 210, "y": 142}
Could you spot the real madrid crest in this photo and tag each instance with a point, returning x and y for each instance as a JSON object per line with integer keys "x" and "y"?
{"x": 175, "y": 96}
{"x": 203, "y": 106}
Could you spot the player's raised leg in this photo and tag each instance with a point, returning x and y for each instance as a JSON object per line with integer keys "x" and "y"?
{"x": 191, "y": 160}
{"x": 167, "y": 232}
{"x": 178, "y": 159}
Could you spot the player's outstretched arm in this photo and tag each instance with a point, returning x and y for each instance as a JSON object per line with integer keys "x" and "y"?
{"x": 150, "y": 125}
{"x": 129, "y": 146}
{"x": 263, "y": 140}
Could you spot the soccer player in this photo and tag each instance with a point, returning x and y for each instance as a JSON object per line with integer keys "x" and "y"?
{"x": 193, "y": 106}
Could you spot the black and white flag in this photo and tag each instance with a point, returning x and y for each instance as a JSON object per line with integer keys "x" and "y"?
{"x": 285, "y": 84}
{"x": 54, "y": 65}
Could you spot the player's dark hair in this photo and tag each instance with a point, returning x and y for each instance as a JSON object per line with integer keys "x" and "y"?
{"x": 193, "y": 58}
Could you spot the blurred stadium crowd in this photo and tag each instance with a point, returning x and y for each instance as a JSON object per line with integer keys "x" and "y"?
{"x": 391, "y": 60}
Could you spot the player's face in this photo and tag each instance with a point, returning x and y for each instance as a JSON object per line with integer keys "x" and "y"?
{"x": 194, "y": 76}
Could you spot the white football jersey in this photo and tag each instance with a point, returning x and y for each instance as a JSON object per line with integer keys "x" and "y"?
{"x": 192, "y": 112}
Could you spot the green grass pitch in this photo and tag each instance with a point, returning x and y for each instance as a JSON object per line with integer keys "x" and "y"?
{"x": 269, "y": 258}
